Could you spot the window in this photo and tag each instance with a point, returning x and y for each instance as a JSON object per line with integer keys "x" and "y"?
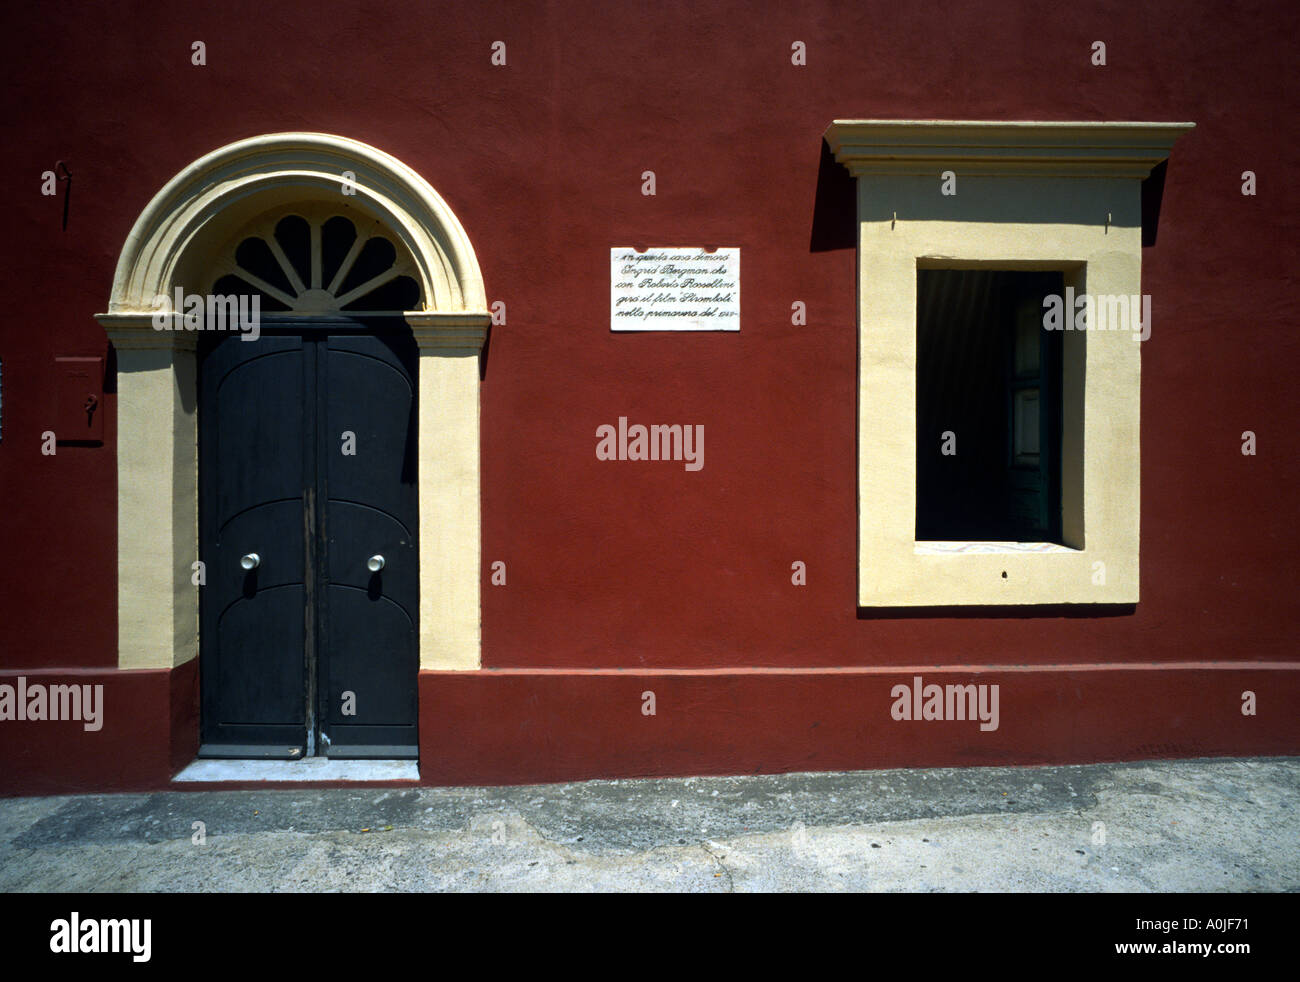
{"x": 962, "y": 228}
{"x": 988, "y": 401}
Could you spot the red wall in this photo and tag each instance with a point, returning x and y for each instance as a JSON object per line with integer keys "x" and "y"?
{"x": 647, "y": 565}
{"x": 525, "y": 727}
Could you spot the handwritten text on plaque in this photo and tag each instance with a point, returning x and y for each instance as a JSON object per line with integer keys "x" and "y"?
{"x": 674, "y": 290}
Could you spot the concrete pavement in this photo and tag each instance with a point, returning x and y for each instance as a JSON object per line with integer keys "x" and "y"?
{"x": 1182, "y": 826}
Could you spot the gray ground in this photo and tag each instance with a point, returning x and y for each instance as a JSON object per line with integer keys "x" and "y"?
{"x": 1199, "y": 825}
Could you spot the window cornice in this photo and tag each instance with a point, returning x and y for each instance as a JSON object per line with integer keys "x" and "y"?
{"x": 1026, "y": 148}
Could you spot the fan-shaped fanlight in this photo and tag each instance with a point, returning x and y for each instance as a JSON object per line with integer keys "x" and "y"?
{"x": 313, "y": 260}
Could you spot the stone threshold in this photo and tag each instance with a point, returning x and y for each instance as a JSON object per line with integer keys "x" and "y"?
{"x": 308, "y": 769}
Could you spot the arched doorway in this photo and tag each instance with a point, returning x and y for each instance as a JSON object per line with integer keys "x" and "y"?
{"x": 308, "y": 507}
{"x": 283, "y": 190}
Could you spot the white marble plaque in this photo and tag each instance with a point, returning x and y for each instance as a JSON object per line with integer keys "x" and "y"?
{"x": 679, "y": 289}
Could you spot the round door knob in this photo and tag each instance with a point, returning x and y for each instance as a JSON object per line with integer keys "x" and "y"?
{"x": 375, "y": 563}
{"x": 251, "y": 561}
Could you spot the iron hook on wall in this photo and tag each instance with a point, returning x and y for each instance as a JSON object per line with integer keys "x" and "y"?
{"x": 67, "y": 191}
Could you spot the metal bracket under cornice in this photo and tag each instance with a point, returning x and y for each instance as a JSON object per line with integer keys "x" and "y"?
{"x": 1016, "y": 148}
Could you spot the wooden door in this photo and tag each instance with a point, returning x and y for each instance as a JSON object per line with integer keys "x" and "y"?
{"x": 308, "y": 533}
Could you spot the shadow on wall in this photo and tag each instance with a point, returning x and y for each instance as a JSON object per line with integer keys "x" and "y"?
{"x": 835, "y": 207}
{"x": 1089, "y": 611}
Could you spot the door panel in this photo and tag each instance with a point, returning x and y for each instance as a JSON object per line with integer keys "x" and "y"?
{"x": 258, "y": 674}
{"x": 253, "y": 454}
{"x": 369, "y": 638}
{"x": 251, "y": 690}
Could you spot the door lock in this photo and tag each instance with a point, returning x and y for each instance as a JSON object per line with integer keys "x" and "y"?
{"x": 251, "y": 561}
{"x": 375, "y": 563}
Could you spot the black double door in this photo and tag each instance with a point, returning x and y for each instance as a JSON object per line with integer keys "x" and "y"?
{"x": 308, "y": 532}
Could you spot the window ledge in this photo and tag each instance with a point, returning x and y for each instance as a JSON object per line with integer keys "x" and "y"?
{"x": 932, "y": 547}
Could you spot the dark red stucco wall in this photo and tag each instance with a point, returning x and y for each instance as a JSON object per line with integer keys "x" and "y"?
{"x": 626, "y": 565}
